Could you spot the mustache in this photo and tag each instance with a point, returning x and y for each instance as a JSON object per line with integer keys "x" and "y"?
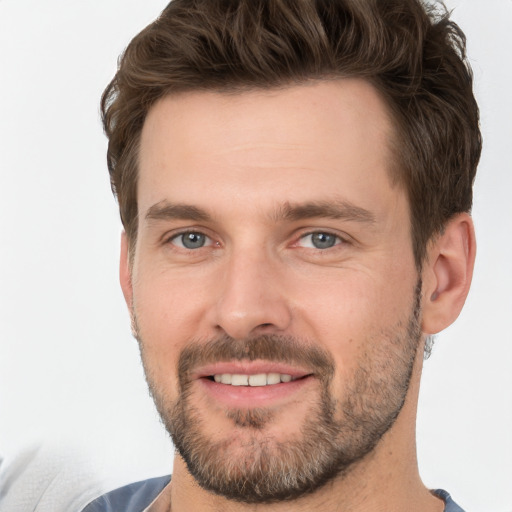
{"x": 268, "y": 347}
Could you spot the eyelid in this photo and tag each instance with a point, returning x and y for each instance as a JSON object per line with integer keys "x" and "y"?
{"x": 169, "y": 237}
{"x": 341, "y": 238}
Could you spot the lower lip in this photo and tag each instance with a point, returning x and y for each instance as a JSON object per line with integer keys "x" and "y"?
{"x": 253, "y": 396}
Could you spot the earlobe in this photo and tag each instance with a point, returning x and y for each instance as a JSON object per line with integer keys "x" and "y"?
{"x": 447, "y": 273}
{"x": 125, "y": 276}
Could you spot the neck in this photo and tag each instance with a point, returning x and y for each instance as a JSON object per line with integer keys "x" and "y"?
{"x": 396, "y": 486}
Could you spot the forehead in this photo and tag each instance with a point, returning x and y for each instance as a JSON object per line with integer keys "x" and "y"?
{"x": 324, "y": 138}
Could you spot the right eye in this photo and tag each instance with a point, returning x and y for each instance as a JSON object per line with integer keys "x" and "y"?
{"x": 191, "y": 240}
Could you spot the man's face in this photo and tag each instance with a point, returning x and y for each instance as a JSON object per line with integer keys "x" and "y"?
{"x": 273, "y": 287}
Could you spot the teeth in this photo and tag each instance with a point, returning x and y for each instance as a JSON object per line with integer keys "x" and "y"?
{"x": 239, "y": 380}
{"x": 260, "y": 379}
{"x": 273, "y": 378}
{"x": 226, "y": 378}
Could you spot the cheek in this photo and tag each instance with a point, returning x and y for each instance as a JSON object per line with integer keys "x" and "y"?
{"x": 168, "y": 303}
{"x": 353, "y": 298}
{"x": 347, "y": 314}
{"x": 165, "y": 312}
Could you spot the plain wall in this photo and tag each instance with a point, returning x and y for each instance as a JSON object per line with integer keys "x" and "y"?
{"x": 69, "y": 368}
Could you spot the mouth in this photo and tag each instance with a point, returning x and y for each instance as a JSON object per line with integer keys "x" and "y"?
{"x": 251, "y": 373}
{"x": 252, "y": 384}
{"x": 253, "y": 380}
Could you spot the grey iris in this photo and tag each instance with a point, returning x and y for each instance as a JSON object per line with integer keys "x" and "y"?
{"x": 323, "y": 240}
{"x": 193, "y": 240}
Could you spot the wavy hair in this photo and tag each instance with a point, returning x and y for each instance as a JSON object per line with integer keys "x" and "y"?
{"x": 411, "y": 52}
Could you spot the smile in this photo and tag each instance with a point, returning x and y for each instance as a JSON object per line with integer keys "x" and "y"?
{"x": 252, "y": 384}
{"x": 258, "y": 380}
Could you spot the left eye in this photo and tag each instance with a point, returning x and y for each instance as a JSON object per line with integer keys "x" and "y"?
{"x": 191, "y": 240}
{"x": 319, "y": 240}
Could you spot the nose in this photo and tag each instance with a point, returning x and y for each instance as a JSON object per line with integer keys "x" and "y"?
{"x": 252, "y": 298}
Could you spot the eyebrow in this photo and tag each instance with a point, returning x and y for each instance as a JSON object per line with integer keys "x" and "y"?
{"x": 344, "y": 210}
{"x": 339, "y": 209}
{"x": 178, "y": 211}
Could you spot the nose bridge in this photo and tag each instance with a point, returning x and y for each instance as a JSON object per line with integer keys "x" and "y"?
{"x": 252, "y": 298}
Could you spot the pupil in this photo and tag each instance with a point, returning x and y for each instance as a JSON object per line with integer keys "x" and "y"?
{"x": 193, "y": 240}
{"x": 323, "y": 240}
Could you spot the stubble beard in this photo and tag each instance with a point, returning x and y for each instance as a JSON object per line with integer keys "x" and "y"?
{"x": 334, "y": 437}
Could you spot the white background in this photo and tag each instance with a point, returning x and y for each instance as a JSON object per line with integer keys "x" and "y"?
{"x": 69, "y": 369}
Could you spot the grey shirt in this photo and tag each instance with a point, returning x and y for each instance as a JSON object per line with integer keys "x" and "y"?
{"x": 137, "y": 497}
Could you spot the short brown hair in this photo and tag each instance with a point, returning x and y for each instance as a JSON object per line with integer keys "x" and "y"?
{"x": 411, "y": 52}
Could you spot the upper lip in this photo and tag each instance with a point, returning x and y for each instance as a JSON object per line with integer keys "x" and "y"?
{"x": 249, "y": 368}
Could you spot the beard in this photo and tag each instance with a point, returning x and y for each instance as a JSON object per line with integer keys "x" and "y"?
{"x": 333, "y": 438}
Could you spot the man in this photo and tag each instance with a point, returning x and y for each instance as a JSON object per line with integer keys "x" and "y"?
{"x": 295, "y": 180}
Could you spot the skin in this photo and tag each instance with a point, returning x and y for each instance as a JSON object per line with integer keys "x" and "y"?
{"x": 241, "y": 159}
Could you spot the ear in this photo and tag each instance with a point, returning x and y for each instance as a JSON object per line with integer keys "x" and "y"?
{"x": 125, "y": 275}
{"x": 447, "y": 273}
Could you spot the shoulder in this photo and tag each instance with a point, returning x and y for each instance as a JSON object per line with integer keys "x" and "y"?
{"x": 139, "y": 495}
{"x": 130, "y": 498}
{"x": 450, "y": 505}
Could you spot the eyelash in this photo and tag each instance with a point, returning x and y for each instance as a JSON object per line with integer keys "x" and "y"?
{"x": 339, "y": 240}
{"x": 171, "y": 239}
